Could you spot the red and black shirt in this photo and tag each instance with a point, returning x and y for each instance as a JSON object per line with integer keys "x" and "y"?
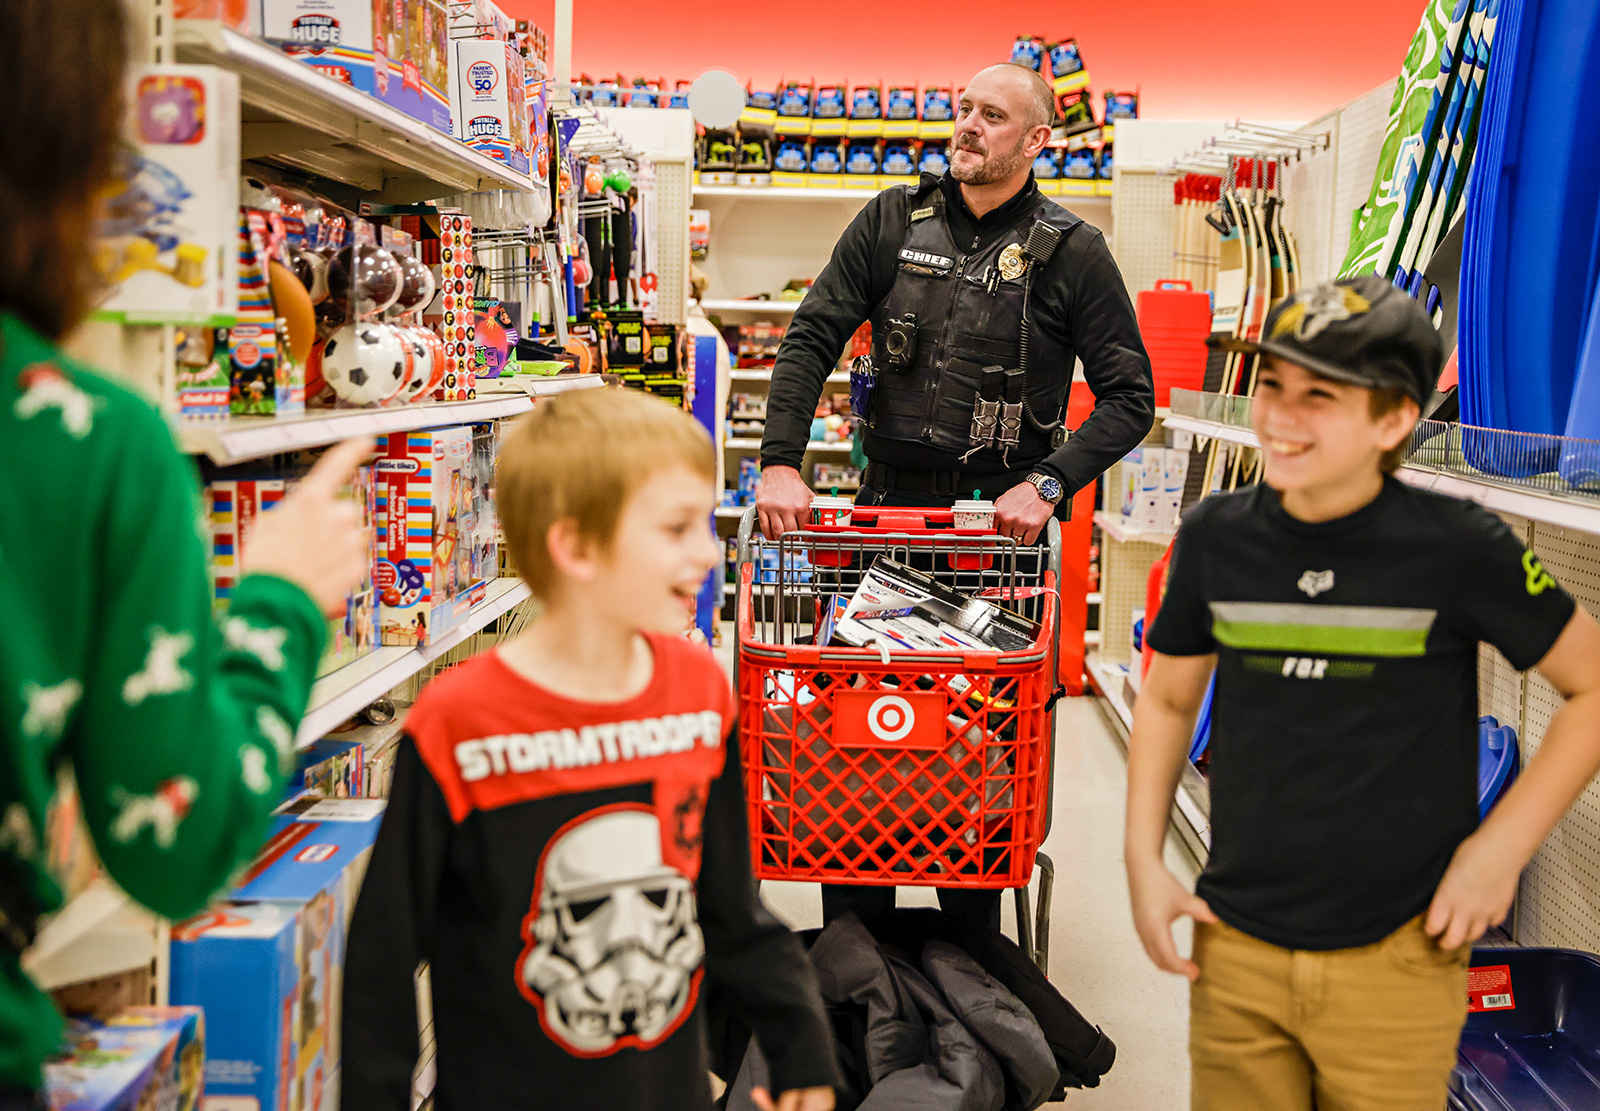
{"x": 572, "y": 871}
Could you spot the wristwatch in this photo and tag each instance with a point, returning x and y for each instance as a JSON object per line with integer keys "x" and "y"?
{"x": 1049, "y": 488}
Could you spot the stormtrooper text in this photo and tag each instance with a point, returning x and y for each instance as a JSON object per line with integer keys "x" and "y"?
{"x": 560, "y": 749}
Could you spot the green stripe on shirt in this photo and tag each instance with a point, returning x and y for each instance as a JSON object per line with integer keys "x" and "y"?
{"x": 1296, "y": 627}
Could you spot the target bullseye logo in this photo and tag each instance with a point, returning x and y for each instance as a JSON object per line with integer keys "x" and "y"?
{"x": 905, "y": 719}
{"x": 891, "y": 718}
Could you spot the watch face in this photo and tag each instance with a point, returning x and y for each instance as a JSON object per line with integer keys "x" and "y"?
{"x": 1049, "y": 489}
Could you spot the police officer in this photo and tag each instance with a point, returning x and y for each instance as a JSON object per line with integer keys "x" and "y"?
{"x": 981, "y": 293}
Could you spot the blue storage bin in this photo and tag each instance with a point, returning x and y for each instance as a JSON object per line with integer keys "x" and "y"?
{"x": 1543, "y": 1053}
{"x": 1498, "y": 762}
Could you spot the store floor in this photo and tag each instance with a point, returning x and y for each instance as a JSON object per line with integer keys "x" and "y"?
{"x": 1095, "y": 957}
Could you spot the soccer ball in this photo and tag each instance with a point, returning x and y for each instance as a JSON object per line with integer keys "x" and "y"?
{"x": 416, "y": 337}
{"x": 366, "y": 363}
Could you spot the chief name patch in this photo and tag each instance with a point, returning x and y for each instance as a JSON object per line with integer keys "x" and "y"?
{"x": 923, "y": 258}
{"x": 922, "y": 213}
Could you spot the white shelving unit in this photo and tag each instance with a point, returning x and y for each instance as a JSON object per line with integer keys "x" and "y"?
{"x": 837, "y": 378}
{"x": 1584, "y": 516}
{"x": 294, "y": 116}
{"x": 341, "y": 693}
{"x": 99, "y": 933}
{"x": 814, "y": 445}
{"x": 753, "y": 306}
{"x": 1115, "y": 526}
{"x": 862, "y": 194}
{"x": 240, "y": 438}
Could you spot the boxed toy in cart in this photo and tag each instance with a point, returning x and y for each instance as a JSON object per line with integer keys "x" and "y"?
{"x": 429, "y": 497}
{"x": 142, "y": 1057}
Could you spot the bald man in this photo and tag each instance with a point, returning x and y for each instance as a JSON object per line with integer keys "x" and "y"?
{"x": 982, "y": 294}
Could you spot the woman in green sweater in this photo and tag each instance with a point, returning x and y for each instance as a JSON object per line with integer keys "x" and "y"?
{"x": 178, "y": 728}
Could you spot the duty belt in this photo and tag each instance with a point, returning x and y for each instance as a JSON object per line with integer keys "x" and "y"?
{"x": 944, "y": 484}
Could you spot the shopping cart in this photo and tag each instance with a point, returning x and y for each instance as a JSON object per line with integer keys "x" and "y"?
{"x": 887, "y": 766}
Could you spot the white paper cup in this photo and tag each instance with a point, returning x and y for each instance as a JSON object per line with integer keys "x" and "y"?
{"x": 974, "y": 514}
{"x": 828, "y": 510}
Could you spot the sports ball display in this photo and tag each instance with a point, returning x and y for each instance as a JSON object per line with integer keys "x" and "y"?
{"x": 417, "y": 285}
{"x": 375, "y": 274}
{"x": 416, "y": 337}
{"x": 366, "y": 363}
{"x": 292, "y": 303}
{"x": 312, "y": 270}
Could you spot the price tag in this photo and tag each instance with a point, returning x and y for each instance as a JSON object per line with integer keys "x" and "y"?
{"x": 1183, "y": 439}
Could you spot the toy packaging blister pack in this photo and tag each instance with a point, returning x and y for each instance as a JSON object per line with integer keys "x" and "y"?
{"x": 141, "y": 1058}
{"x": 794, "y": 109}
{"x": 168, "y": 238}
{"x": 938, "y": 113}
{"x": 425, "y": 576}
{"x": 1067, "y": 71}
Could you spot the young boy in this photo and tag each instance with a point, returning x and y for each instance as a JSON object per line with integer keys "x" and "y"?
{"x": 565, "y": 842}
{"x": 1342, "y": 611}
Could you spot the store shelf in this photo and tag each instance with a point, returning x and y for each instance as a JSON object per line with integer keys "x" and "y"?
{"x": 814, "y": 445}
{"x": 240, "y": 438}
{"x": 752, "y": 305}
{"x": 837, "y": 378}
{"x": 1115, "y": 526}
{"x": 1107, "y": 684}
{"x": 1550, "y": 509}
{"x": 785, "y": 193}
{"x": 341, "y": 693}
{"x": 98, "y": 933}
{"x": 295, "y": 116}
{"x": 1095, "y": 598}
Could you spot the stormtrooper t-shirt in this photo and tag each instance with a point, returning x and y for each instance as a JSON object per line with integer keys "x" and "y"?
{"x": 572, "y": 871}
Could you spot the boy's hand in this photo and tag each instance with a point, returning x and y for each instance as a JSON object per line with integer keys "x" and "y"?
{"x": 1158, "y": 901}
{"x": 795, "y": 1099}
{"x": 1476, "y": 892}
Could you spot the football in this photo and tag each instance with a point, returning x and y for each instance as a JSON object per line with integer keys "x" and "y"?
{"x": 366, "y": 363}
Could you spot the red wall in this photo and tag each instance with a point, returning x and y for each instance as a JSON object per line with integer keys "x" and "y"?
{"x": 1258, "y": 59}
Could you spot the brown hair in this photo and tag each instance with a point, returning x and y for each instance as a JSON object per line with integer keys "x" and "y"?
{"x": 582, "y": 455}
{"x": 1380, "y": 403}
{"x": 62, "y": 66}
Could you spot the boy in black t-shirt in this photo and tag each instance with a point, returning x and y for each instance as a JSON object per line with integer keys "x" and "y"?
{"x": 1342, "y": 611}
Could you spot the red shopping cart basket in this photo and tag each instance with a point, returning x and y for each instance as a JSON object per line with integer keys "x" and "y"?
{"x": 887, "y": 766}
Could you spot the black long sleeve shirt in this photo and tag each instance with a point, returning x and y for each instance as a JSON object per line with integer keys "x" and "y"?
{"x": 1079, "y": 295}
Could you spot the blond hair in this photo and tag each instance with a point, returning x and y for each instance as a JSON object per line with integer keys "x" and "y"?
{"x": 582, "y": 455}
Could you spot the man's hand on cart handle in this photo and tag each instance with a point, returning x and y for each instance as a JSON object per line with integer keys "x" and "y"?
{"x": 783, "y": 501}
{"x": 1159, "y": 900}
{"x": 1022, "y": 513}
{"x": 795, "y": 1099}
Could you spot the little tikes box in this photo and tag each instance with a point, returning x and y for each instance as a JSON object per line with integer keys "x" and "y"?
{"x": 426, "y": 579}
{"x": 267, "y": 966}
{"x": 143, "y": 1057}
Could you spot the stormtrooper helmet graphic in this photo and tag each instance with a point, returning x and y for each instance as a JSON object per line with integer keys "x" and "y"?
{"x": 614, "y": 947}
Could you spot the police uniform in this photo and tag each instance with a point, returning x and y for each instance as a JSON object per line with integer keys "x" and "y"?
{"x": 977, "y": 323}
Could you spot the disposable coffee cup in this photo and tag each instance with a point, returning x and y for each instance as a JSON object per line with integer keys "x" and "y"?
{"x": 828, "y": 510}
{"x": 973, "y": 514}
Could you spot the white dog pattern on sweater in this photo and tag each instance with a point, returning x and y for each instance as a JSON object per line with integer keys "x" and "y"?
{"x": 49, "y": 707}
{"x": 265, "y": 645}
{"x": 161, "y": 811}
{"x": 162, "y": 673}
{"x": 45, "y": 387}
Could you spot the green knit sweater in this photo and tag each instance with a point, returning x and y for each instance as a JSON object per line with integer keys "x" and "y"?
{"x": 177, "y": 727}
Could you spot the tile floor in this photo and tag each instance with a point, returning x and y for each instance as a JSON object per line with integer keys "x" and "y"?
{"x": 1095, "y": 957}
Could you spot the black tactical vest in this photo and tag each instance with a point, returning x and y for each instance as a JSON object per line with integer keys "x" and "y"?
{"x": 969, "y": 319}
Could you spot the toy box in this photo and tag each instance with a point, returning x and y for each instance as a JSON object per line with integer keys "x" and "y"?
{"x": 169, "y": 237}
{"x": 355, "y": 633}
{"x": 425, "y": 578}
{"x": 411, "y": 59}
{"x": 266, "y": 966}
{"x": 453, "y": 320}
{"x": 333, "y": 37}
{"x": 143, "y": 1057}
{"x": 488, "y": 100}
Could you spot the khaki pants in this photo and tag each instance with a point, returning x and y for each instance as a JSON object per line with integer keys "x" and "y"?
{"x": 1367, "y": 1029}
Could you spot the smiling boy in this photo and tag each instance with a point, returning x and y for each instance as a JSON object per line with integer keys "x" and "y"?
{"x": 1342, "y": 611}
{"x": 565, "y": 841}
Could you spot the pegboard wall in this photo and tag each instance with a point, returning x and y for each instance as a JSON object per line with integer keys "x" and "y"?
{"x": 1324, "y": 190}
{"x": 673, "y": 183}
{"x": 1559, "y": 899}
{"x": 1142, "y": 213}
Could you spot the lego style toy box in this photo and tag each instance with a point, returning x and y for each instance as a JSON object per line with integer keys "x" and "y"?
{"x": 142, "y": 1057}
{"x": 167, "y": 242}
{"x": 425, "y": 577}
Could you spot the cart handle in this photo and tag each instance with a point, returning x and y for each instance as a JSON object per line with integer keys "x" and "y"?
{"x": 903, "y": 519}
